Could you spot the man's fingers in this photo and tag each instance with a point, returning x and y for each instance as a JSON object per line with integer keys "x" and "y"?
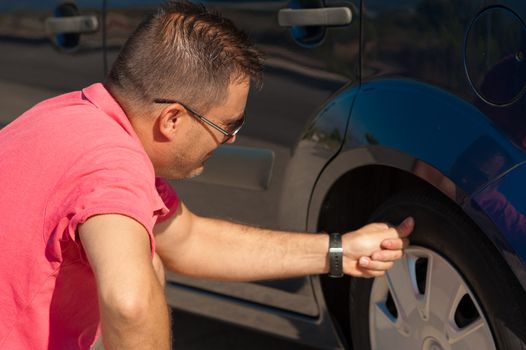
{"x": 395, "y": 243}
{"x": 374, "y": 265}
{"x": 392, "y": 243}
{"x": 371, "y": 274}
{"x": 383, "y": 247}
{"x": 403, "y": 230}
{"x": 406, "y": 227}
{"x": 387, "y": 255}
{"x": 366, "y": 273}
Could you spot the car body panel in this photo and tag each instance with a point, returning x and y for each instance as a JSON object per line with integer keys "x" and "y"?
{"x": 34, "y": 68}
{"x": 425, "y": 95}
{"x": 320, "y": 142}
{"x": 319, "y": 332}
{"x": 417, "y": 111}
{"x": 504, "y": 202}
{"x": 434, "y": 126}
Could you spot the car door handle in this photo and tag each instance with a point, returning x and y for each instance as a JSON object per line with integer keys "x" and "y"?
{"x": 325, "y": 17}
{"x": 74, "y": 24}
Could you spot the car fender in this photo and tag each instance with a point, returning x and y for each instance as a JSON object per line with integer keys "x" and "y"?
{"x": 420, "y": 129}
{"x": 321, "y": 140}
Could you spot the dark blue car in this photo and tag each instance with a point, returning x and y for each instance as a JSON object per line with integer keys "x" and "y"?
{"x": 371, "y": 110}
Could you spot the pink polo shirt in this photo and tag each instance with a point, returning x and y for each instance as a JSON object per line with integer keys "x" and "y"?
{"x": 64, "y": 160}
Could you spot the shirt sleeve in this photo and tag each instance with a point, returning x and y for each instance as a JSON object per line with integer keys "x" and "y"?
{"x": 169, "y": 197}
{"x": 122, "y": 185}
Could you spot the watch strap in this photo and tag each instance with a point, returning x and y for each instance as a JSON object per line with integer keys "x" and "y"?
{"x": 335, "y": 255}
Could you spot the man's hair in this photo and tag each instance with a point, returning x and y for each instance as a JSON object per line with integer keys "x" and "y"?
{"x": 184, "y": 52}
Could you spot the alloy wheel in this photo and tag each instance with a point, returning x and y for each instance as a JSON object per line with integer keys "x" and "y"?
{"x": 423, "y": 302}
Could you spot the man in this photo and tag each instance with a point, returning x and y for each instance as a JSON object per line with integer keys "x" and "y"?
{"x": 84, "y": 208}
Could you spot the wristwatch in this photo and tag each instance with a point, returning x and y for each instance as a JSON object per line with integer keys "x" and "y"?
{"x": 335, "y": 255}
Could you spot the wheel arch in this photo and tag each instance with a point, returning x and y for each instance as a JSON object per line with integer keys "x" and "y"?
{"x": 355, "y": 189}
{"x": 356, "y": 183}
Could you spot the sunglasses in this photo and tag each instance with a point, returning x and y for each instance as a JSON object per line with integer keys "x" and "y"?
{"x": 228, "y": 134}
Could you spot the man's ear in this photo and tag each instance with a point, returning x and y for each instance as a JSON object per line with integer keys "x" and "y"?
{"x": 169, "y": 120}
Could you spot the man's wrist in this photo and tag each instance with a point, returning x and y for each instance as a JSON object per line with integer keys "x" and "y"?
{"x": 335, "y": 255}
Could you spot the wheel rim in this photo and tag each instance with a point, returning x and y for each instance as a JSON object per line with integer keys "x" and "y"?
{"x": 424, "y": 303}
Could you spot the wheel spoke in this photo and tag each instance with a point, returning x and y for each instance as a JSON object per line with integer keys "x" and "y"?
{"x": 475, "y": 336}
{"x": 388, "y": 332}
{"x": 391, "y": 339}
{"x": 444, "y": 292}
{"x": 400, "y": 285}
{"x": 384, "y": 318}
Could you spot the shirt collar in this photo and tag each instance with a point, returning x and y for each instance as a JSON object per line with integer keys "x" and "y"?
{"x": 101, "y": 98}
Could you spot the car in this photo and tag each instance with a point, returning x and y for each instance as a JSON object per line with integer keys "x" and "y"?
{"x": 371, "y": 110}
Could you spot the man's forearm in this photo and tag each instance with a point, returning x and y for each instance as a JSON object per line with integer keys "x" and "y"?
{"x": 219, "y": 249}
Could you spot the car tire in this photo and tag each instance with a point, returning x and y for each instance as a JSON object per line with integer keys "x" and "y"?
{"x": 415, "y": 306}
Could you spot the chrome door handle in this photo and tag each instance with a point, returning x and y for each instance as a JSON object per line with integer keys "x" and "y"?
{"x": 324, "y": 17}
{"x": 74, "y": 24}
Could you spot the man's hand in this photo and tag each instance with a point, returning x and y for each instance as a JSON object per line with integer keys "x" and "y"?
{"x": 371, "y": 250}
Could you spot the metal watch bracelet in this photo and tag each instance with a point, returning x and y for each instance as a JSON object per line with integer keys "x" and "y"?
{"x": 335, "y": 255}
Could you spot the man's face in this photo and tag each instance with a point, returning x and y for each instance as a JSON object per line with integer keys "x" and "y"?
{"x": 195, "y": 140}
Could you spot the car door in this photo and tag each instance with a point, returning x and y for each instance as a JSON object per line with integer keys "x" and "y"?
{"x": 304, "y": 67}
{"x": 47, "y": 48}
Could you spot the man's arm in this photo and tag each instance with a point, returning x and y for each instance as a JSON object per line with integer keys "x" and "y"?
{"x": 217, "y": 249}
{"x": 133, "y": 310}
